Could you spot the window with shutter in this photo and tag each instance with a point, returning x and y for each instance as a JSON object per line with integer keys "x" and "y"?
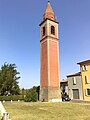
{"x": 86, "y": 80}
{"x": 88, "y": 91}
{"x": 84, "y": 68}
{"x": 74, "y": 81}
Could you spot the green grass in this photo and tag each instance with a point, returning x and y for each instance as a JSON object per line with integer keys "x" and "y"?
{"x": 48, "y": 111}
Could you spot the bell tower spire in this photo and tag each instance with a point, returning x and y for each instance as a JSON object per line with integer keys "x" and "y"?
{"x": 48, "y": 12}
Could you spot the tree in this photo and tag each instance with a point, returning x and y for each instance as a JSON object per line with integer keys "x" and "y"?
{"x": 8, "y": 80}
{"x": 32, "y": 94}
{"x": 37, "y": 89}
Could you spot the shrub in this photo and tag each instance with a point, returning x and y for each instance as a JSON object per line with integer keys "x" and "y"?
{"x": 13, "y": 97}
{"x": 31, "y": 96}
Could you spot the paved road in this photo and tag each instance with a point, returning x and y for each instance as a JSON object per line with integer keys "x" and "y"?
{"x": 80, "y": 101}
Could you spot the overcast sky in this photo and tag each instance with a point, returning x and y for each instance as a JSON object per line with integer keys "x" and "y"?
{"x": 20, "y": 35}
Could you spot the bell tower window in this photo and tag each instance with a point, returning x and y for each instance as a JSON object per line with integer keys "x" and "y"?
{"x": 43, "y": 30}
{"x": 53, "y": 30}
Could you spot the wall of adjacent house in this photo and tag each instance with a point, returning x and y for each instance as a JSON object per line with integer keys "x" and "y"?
{"x": 75, "y": 86}
{"x": 85, "y": 71}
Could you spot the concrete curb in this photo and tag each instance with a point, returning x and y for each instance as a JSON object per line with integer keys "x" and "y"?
{"x": 4, "y": 114}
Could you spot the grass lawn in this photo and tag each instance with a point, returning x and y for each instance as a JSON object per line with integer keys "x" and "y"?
{"x": 48, "y": 111}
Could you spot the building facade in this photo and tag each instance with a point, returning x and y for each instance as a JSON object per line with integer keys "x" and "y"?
{"x": 49, "y": 61}
{"x": 85, "y": 73}
{"x": 75, "y": 86}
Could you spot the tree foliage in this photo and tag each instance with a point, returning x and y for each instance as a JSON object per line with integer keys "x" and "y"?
{"x": 32, "y": 94}
{"x": 8, "y": 80}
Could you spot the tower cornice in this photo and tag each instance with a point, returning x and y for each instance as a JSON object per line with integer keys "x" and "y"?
{"x": 49, "y": 37}
{"x": 48, "y": 19}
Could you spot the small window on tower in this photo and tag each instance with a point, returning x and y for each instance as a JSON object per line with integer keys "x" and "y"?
{"x": 43, "y": 30}
{"x": 53, "y": 30}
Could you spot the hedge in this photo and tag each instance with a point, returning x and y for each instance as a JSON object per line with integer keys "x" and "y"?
{"x": 14, "y": 98}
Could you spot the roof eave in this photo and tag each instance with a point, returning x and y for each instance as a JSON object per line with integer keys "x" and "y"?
{"x": 83, "y": 62}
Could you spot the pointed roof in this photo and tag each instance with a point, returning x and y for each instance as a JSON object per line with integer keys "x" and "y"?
{"x": 48, "y": 12}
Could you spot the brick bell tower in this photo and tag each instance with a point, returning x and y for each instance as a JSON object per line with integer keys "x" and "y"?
{"x": 49, "y": 68}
